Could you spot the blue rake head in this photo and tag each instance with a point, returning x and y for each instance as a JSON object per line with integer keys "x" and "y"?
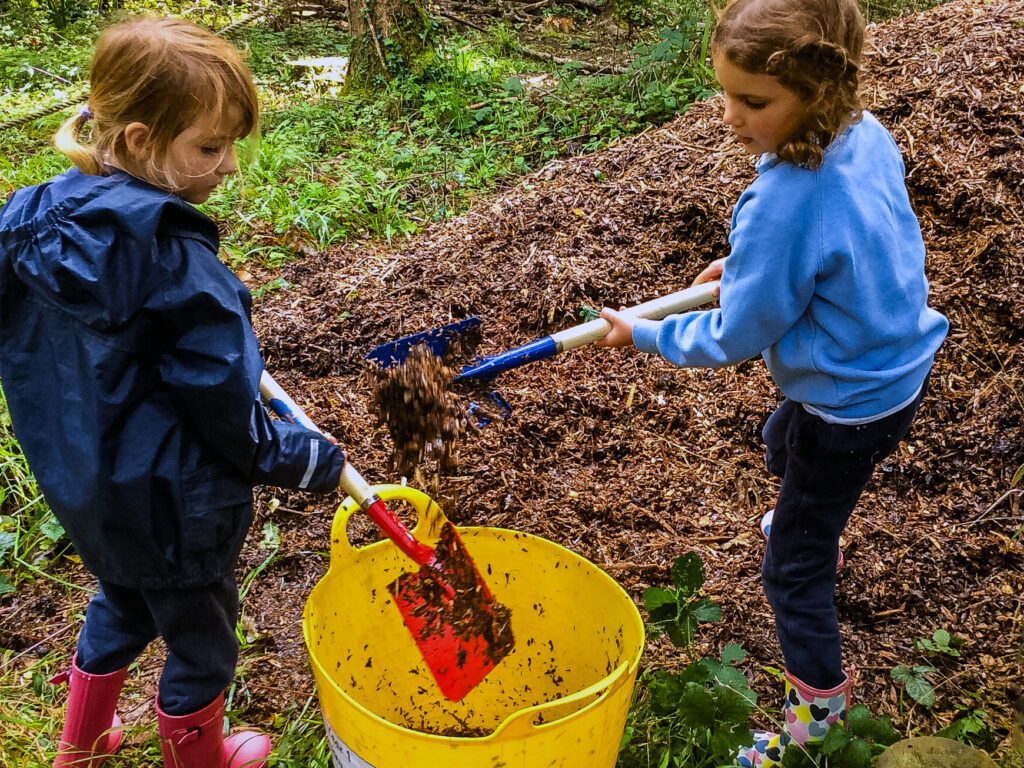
{"x": 438, "y": 340}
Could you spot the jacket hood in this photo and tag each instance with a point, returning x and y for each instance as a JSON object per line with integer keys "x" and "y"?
{"x": 92, "y": 241}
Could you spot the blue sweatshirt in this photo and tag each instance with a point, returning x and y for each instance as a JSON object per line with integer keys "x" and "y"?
{"x": 825, "y": 279}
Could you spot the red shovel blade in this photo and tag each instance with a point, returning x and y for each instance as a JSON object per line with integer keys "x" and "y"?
{"x": 461, "y": 631}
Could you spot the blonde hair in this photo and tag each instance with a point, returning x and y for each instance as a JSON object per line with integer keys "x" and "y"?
{"x": 813, "y": 48}
{"x": 165, "y": 73}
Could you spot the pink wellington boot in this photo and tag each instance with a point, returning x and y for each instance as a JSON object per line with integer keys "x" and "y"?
{"x": 197, "y": 741}
{"x": 92, "y": 732}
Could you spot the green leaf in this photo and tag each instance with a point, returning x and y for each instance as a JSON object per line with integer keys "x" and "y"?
{"x": 696, "y": 707}
{"x": 921, "y": 691}
{"x": 682, "y": 631}
{"x": 512, "y": 85}
{"x": 963, "y": 728}
{"x": 673, "y": 36}
{"x": 666, "y": 690}
{"x": 688, "y": 573}
{"x": 858, "y": 719}
{"x": 7, "y": 541}
{"x": 657, "y": 597}
{"x": 734, "y": 708}
{"x": 697, "y": 672}
{"x": 733, "y": 653}
{"x": 915, "y": 683}
{"x": 736, "y": 681}
{"x": 881, "y": 731}
{"x": 836, "y": 738}
{"x": 5, "y": 586}
{"x": 52, "y": 529}
{"x": 705, "y": 611}
{"x": 901, "y": 673}
{"x": 857, "y": 754}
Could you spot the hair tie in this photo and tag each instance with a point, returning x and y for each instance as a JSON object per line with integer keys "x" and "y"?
{"x": 85, "y": 115}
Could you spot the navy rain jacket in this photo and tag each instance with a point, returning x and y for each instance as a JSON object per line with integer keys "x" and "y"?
{"x": 131, "y": 372}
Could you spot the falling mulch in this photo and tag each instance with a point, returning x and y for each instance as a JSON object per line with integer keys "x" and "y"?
{"x": 631, "y": 462}
{"x": 416, "y": 401}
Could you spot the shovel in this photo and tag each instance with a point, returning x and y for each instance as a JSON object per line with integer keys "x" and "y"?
{"x": 485, "y": 370}
{"x": 459, "y": 628}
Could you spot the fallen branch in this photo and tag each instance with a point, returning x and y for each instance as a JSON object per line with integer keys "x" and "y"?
{"x": 614, "y": 69}
{"x": 463, "y": 22}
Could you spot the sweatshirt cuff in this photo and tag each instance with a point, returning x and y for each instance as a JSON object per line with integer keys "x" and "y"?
{"x": 645, "y": 335}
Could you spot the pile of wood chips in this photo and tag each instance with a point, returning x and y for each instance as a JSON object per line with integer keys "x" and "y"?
{"x": 631, "y": 462}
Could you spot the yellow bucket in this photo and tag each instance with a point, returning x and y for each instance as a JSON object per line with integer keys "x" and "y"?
{"x": 558, "y": 700}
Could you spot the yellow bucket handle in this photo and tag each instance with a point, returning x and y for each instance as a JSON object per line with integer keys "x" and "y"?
{"x": 522, "y": 722}
{"x": 429, "y": 519}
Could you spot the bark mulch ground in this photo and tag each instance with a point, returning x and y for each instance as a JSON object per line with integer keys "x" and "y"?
{"x": 631, "y": 462}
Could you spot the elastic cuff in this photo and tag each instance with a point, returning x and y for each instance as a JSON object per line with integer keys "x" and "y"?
{"x": 645, "y": 335}
{"x": 804, "y": 688}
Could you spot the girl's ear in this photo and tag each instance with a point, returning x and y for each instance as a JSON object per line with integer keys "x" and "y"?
{"x": 136, "y": 139}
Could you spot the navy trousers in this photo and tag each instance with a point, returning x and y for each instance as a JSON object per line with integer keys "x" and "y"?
{"x": 824, "y": 468}
{"x": 197, "y": 625}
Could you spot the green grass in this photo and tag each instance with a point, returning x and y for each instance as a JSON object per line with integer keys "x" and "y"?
{"x": 29, "y": 534}
{"x": 331, "y": 166}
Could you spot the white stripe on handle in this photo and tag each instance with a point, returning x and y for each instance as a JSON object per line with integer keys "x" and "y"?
{"x": 655, "y": 309}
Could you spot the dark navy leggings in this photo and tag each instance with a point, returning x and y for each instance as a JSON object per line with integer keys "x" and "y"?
{"x": 197, "y": 625}
{"x": 824, "y": 468}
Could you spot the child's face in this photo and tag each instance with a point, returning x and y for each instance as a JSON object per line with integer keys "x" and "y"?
{"x": 201, "y": 156}
{"x": 760, "y": 111}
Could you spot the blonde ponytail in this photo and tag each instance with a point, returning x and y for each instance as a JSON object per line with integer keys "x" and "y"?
{"x": 68, "y": 143}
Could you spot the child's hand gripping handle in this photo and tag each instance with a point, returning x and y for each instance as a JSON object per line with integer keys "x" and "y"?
{"x": 351, "y": 481}
{"x": 586, "y": 333}
{"x": 655, "y": 309}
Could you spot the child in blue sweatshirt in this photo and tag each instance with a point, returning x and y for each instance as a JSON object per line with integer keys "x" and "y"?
{"x": 825, "y": 279}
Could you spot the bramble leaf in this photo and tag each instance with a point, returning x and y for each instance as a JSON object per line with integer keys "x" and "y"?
{"x": 915, "y": 683}
{"x": 857, "y": 754}
{"x": 705, "y": 610}
{"x": 836, "y": 738}
{"x": 688, "y": 573}
{"x": 733, "y": 653}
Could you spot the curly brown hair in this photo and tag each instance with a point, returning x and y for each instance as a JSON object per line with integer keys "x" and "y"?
{"x": 813, "y": 48}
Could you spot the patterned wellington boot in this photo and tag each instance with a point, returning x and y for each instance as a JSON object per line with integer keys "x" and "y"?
{"x": 807, "y": 714}
{"x": 766, "y": 530}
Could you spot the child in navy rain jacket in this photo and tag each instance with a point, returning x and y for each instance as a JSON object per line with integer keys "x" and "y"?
{"x": 131, "y": 373}
{"x": 825, "y": 279}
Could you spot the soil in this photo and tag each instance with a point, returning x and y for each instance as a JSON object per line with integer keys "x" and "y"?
{"x": 631, "y": 462}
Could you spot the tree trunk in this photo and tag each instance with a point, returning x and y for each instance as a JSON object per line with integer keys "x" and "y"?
{"x": 386, "y": 38}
